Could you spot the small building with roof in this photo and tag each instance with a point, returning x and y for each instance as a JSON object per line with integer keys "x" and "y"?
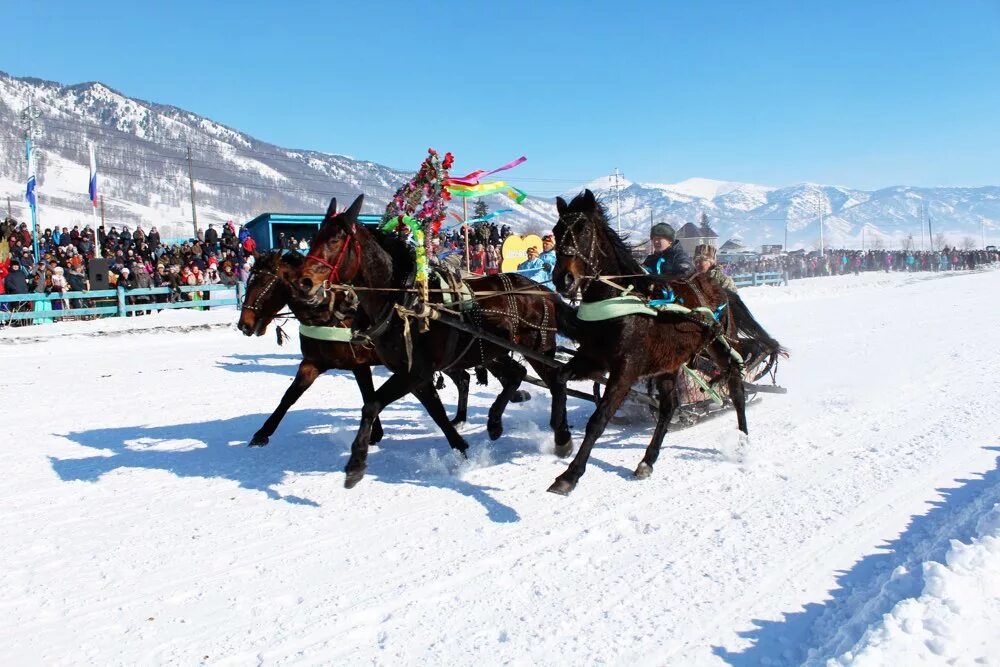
{"x": 267, "y": 228}
{"x": 692, "y": 235}
{"x": 733, "y": 250}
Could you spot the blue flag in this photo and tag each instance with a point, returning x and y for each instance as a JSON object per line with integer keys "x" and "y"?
{"x": 30, "y": 191}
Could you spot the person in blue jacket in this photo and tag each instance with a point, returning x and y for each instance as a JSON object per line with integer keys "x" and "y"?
{"x": 668, "y": 257}
{"x": 548, "y": 255}
{"x": 534, "y": 268}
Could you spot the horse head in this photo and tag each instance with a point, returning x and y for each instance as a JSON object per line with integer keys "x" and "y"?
{"x": 268, "y": 290}
{"x": 334, "y": 255}
{"x": 578, "y": 246}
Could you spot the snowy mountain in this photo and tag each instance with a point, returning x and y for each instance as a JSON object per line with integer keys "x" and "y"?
{"x": 759, "y": 214}
{"x": 142, "y": 155}
{"x": 143, "y": 167}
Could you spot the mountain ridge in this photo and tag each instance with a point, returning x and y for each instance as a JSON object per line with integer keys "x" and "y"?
{"x": 142, "y": 158}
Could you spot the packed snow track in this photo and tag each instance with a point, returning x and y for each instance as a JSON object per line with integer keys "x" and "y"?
{"x": 138, "y": 528}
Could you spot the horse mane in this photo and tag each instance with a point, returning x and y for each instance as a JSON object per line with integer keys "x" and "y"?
{"x": 402, "y": 255}
{"x": 293, "y": 258}
{"x": 621, "y": 248}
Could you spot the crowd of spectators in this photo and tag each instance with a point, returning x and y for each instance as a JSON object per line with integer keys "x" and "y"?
{"x": 841, "y": 262}
{"x": 136, "y": 259}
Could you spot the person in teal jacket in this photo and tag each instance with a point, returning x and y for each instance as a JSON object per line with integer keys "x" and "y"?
{"x": 534, "y": 268}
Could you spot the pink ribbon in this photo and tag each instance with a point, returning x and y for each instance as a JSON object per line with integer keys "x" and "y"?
{"x": 473, "y": 178}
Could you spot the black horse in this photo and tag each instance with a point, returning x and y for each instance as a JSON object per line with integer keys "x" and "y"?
{"x": 507, "y": 305}
{"x": 638, "y": 346}
{"x": 271, "y": 287}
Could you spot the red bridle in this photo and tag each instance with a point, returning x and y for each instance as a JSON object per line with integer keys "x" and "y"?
{"x": 335, "y": 266}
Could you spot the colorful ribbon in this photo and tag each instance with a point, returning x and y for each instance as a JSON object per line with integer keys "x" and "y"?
{"x": 474, "y": 177}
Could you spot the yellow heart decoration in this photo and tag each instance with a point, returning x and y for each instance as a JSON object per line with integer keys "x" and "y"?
{"x": 515, "y": 250}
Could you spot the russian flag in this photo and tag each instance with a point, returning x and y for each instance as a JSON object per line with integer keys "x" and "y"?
{"x": 93, "y": 177}
{"x": 29, "y": 192}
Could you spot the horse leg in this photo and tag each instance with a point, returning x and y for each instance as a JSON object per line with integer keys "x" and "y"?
{"x": 397, "y": 386}
{"x": 428, "y": 396}
{"x": 304, "y": 377}
{"x": 665, "y": 385}
{"x": 557, "y": 420}
{"x": 510, "y": 373}
{"x": 734, "y": 380}
{"x": 618, "y": 387}
{"x": 461, "y": 380}
{"x": 363, "y": 376}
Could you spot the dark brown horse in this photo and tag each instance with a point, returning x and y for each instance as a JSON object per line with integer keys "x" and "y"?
{"x": 633, "y": 347}
{"x": 271, "y": 287}
{"x": 381, "y": 268}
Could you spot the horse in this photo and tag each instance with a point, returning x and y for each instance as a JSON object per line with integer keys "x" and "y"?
{"x": 594, "y": 262}
{"x": 347, "y": 256}
{"x": 270, "y": 287}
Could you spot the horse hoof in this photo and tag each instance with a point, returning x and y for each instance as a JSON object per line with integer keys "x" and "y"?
{"x": 494, "y": 429}
{"x": 565, "y": 449}
{"x": 258, "y": 440}
{"x": 564, "y": 444}
{"x": 643, "y": 470}
{"x": 459, "y": 424}
{"x": 353, "y": 477}
{"x": 520, "y": 396}
{"x": 561, "y": 487}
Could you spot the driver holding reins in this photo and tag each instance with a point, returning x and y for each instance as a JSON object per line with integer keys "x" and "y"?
{"x": 668, "y": 257}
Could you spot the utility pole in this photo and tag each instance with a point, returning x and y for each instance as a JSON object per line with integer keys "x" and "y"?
{"x": 194, "y": 211}
{"x": 618, "y": 201}
{"x": 28, "y": 117}
{"x": 819, "y": 206}
{"x": 930, "y": 227}
{"x": 921, "y": 225}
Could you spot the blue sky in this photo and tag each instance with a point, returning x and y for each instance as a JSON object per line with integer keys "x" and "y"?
{"x": 863, "y": 94}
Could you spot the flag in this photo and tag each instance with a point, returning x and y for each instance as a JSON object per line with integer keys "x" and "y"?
{"x": 29, "y": 193}
{"x": 93, "y": 177}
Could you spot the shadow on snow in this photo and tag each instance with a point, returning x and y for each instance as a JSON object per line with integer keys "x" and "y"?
{"x": 874, "y": 585}
{"x": 308, "y": 441}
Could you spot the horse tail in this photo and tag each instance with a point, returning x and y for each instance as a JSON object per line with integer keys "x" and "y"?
{"x": 567, "y": 322}
{"x": 749, "y": 327}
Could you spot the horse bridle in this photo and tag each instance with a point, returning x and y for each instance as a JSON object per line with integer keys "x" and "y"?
{"x": 272, "y": 280}
{"x": 569, "y": 246}
{"x": 334, "y": 267}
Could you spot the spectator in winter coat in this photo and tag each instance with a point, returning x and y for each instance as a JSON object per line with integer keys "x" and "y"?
{"x": 153, "y": 238}
{"x": 211, "y": 236}
{"x": 534, "y": 268}
{"x": 477, "y": 260}
{"x": 16, "y": 281}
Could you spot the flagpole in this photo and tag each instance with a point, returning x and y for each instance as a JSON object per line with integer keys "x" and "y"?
{"x": 33, "y": 202}
{"x": 92, "y": 191}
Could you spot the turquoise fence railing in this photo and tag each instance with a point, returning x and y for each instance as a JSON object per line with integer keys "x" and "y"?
{"x": 116, "y": 302}
{"x": 754, "y": 279}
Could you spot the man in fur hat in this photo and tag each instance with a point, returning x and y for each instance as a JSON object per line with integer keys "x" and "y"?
{"x": 705, "y": 262}
{"x": 668, "y": 257}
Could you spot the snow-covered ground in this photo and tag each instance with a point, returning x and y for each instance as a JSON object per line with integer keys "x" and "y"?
{"x": 137, "y": 528}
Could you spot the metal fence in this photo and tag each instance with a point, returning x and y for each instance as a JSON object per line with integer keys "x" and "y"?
{"x": 121, "y": 302}
{"x": 115, "y": 302}
{"x": 754, "y": 279}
